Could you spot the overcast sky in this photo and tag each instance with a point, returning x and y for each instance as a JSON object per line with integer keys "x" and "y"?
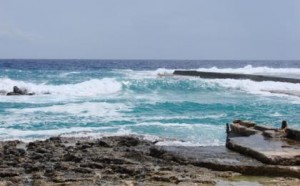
{"x": 150, "y": 29}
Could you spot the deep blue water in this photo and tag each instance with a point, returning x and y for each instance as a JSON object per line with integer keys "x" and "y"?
{"x": 35, "y": 64}
{"x": 115, "y": 97}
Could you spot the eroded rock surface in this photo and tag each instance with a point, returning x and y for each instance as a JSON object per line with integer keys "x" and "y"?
{"x": 268, "y": 145}
{"x": 123, "y": 160}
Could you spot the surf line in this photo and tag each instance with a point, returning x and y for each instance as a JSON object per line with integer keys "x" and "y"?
{"x": 218, "y": 75}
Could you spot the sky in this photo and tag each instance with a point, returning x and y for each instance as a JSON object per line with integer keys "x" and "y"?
{"x": 150, "y": 29}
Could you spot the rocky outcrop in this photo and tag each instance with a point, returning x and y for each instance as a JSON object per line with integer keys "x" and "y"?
{"x": 123, "y": 160}
{"x": 293, "y": 134}
{"x": 220, "y": 75}
{"x": 19, "y": 92}
{"x": 268, "y": 145}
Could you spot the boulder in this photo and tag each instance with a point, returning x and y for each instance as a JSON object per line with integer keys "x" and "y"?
{"x": 18, "y": 92}
{"x": 242, "y": 130}
{"x": 293, "y": 134}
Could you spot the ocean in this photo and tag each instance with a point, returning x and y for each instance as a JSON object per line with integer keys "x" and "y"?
{"x": 97, "y": 98}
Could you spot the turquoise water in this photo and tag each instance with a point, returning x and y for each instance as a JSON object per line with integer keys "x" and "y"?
{"x": 106, "y": 101}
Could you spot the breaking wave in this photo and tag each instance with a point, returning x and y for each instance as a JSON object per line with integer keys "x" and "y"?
{"x": 91, "y": 87}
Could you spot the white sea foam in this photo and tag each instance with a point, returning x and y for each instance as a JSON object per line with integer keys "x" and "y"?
{"x": 180, "y": 117}
{"x": 96, "y": 132}
{"x": 263, "y": 88}
{"x": 91, "y": 132}
{"x": 121, "y": 131}
{"x": 92, "y": 87}
{"x": 249, "y": 69}
{"x": 266, "y": 88}
{"x": 99, "y": 109}
{"x": 65, "y": 74}
{"x": 213, "y": 142}
{"x": 146, "y": 74}
{"x": 29, "y": 135}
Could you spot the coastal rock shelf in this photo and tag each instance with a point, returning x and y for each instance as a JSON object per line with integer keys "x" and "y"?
{"x": 268, "y": 145}
{"x": 128, "y": 160}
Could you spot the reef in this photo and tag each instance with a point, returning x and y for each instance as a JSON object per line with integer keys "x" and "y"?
{"x": 219, "y": 75}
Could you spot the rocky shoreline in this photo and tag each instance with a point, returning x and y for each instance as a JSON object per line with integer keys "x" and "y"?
{"x": 127, "y": 160}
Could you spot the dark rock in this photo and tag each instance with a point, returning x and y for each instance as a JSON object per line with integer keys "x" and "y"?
{"x": 55, "y": 139}
{"x": 14, "y": 151}
{"x": 242, "y": 130}
{"x": 128, "y": 141}
{"x": 293, "y": 134}
{"x": 18, "y": 92}
{"x": 93, "y": 165}
{"x": 8, "y": 174}
{"x": 62, "y": 166}
{"x": 125, "y": 161}
{"x": 102, "y": 143}
{"x": 13, "y": 94}
{"x": 72, "y": 157}
{"x": 125, "y": 170}
{"x": 30, "y": 167}
{"x": 218, "y": 75}
{"x": 83, "y": 170}
{"x": 42, "y": 150}
{"x": 156, "y": 152}
{"x": 169, "y": 179}
{"x": 31, "y": 145}
{"x": 37, "y": 156}
{"x": 274, "y": 134}
{"x": 245, "y": 123}
{"x": 111, "y": 160}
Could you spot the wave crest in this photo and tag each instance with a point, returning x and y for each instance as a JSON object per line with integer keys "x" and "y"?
{"x": 87, "y": 88}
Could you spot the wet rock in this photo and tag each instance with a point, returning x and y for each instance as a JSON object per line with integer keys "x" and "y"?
{"x": 62, "y": 166}
{"x": 8, "y": 174}
{"x": 101, "y": 143}
{"x": 32, "y": 145}
{"x": 270, "y": 151}
{"x": 55, "y": 139}
{"x": 120, "y": 160}
{"x": 169, "y": 179}
{"x": 34, "y": 167}
{"x": 129, "y": 141}
{"x": 83, "y": 170}
{"x": 111, "y": 160}
{"x": 270, "y": 146}
{"x": 244, "y": 123}
{"x": 156, "y": 152}
{"x": 14, "y": 151}
{"x": 37, "y": 156}
{"x": 72, "y": 157}
{"x": 93, "y": 165}
{"x": 274, "y": 134}
{"x": 293, "y": 134}
{"x": 125, "y": 170}
{"x": 242, "y": 130}
{"x": 42, "y": 150}
{"x": 18, "y": 92}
